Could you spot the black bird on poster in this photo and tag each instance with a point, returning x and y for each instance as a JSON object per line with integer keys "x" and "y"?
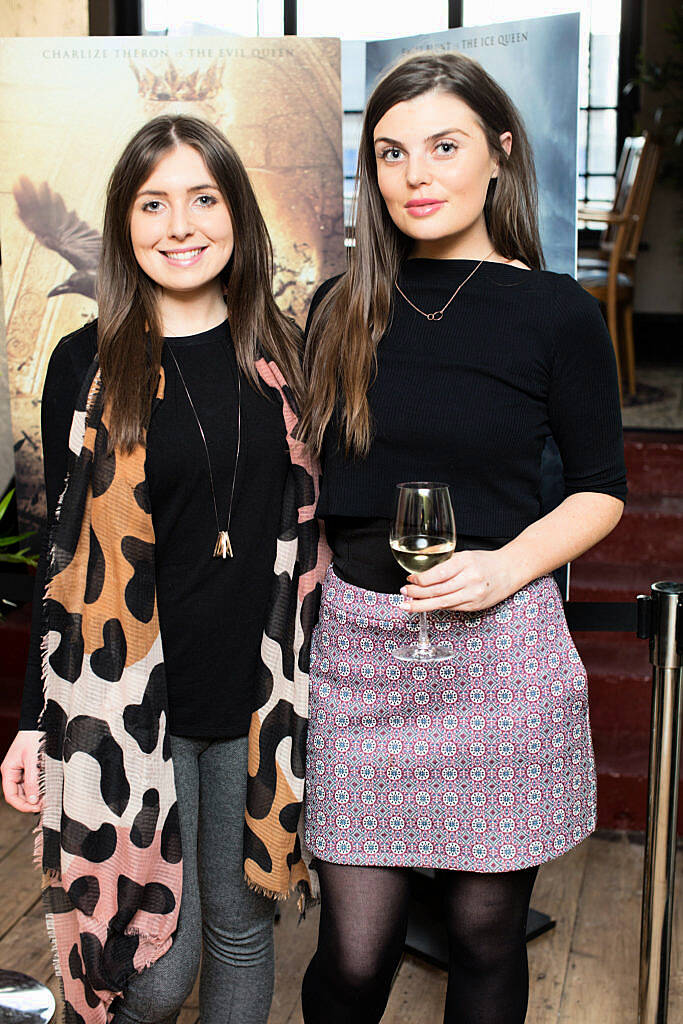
{"x": 45, "y": 214}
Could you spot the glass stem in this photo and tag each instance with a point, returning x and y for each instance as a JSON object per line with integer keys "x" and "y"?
{"x": 423, "y": 640}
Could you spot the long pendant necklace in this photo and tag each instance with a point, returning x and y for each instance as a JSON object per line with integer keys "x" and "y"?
{"x": 438, "y": 314}
{"x": 223, "y": 548}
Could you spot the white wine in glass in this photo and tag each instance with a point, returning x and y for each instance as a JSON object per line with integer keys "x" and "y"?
{"x": 422, "y": 535}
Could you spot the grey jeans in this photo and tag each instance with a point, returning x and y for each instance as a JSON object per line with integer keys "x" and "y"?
{"x": 235, "y": 924}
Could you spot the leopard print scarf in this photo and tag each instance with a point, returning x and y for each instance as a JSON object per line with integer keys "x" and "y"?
{"x": 109, "y": 837}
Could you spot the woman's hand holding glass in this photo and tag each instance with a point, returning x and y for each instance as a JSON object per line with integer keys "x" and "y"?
{"x": 469, "y": 581}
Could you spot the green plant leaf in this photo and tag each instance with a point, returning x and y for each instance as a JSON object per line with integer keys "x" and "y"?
{"x": 24, "y": 556}
{"x": 20, "y": 558}
{"x": 5, "y": 502}
{"x": 5, "y": 541}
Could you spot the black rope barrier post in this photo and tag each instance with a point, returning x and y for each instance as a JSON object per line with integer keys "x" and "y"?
{"x": 661, "y": 620}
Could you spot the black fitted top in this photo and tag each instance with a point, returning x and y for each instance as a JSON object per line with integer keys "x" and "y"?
{"x": 211, "y": 611}
{"x": 520, "y": 356}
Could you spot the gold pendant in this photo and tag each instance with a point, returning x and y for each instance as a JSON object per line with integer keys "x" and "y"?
{"x": 223, "y": 547}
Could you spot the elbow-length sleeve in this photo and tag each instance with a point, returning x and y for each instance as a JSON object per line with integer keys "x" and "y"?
{"x": 583, "y": 402}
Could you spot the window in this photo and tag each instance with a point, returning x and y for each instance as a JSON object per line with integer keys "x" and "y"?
{"x": 378, "y": 19}
{"x": 358, "y": 20}
{"x": 246, "y": 18}
{"x": 354, "y": 22}
{"x": 598, "y": 80}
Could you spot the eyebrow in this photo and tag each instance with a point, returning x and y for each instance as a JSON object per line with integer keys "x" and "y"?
{"x": 160, "y": 192}
{"x": 430, "y": 138}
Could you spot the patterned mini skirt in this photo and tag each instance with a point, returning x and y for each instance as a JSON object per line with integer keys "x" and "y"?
{"x": 481, "y": 763}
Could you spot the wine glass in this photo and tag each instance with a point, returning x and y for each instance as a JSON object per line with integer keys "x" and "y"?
{"x": 422, "y": 535}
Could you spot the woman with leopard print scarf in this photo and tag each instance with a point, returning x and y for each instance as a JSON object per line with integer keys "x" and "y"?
{"x": 168, "y": 665}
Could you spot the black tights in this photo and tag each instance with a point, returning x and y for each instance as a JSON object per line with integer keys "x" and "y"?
{"x": 363, "y": 923}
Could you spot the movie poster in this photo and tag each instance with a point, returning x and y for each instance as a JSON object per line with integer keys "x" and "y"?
{"x": 68, "y": 107}
{"x": 536, "y": 61}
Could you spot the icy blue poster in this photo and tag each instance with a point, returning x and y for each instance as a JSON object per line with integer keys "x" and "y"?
{"x": 536, "y": 61}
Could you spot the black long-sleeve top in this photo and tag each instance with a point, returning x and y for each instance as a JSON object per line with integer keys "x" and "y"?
{"x": 470, "y": 400}
{"x": 211, "y": 611}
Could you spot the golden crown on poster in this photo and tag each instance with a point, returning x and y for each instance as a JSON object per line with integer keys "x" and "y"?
{"x": 171, "y": 85}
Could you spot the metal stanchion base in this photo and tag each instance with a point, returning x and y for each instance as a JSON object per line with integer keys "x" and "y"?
{"x": 536, "y": 923}
{"x": 427, "y": 936}
{"x": 23, "y": 1000}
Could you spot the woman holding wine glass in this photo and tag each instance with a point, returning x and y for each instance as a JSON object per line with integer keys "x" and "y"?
{"x": 441, "y": 361}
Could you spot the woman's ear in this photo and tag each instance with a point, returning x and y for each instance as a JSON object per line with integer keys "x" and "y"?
{"x": 506, "y": 143}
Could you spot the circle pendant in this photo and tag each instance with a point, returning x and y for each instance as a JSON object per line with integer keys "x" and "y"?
{"x": 435, "y": 316}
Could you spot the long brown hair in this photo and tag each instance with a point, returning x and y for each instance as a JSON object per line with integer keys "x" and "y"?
{"x": 129, "y": 329}
{"x": 341, "y": 350}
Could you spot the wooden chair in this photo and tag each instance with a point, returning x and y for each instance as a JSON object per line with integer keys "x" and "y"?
{"x": 608, "y": 274}
{"x": 595, "y": 259}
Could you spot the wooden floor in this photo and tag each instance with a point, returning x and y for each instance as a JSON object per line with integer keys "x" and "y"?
{"x": 585, "y": 971}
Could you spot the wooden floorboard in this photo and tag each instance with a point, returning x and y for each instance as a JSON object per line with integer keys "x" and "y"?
{"x": 602, "y": 970}
{"x": 295, "y": 944}
{"x": 19, "y": 883}
{"x": 13, "y": 827}
{"x": 584, "y": 971}
{"x": 676, "y": 976}
{"x": 26, "y": 947}
{"x": 188, "y": 1015}
{"x": 417, "y": 995}
{"x": 556, "y": 893}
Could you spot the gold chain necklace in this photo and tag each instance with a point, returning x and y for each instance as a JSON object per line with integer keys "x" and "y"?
{"x": 223, "y": 548}
{"x": 438, "y": 314}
